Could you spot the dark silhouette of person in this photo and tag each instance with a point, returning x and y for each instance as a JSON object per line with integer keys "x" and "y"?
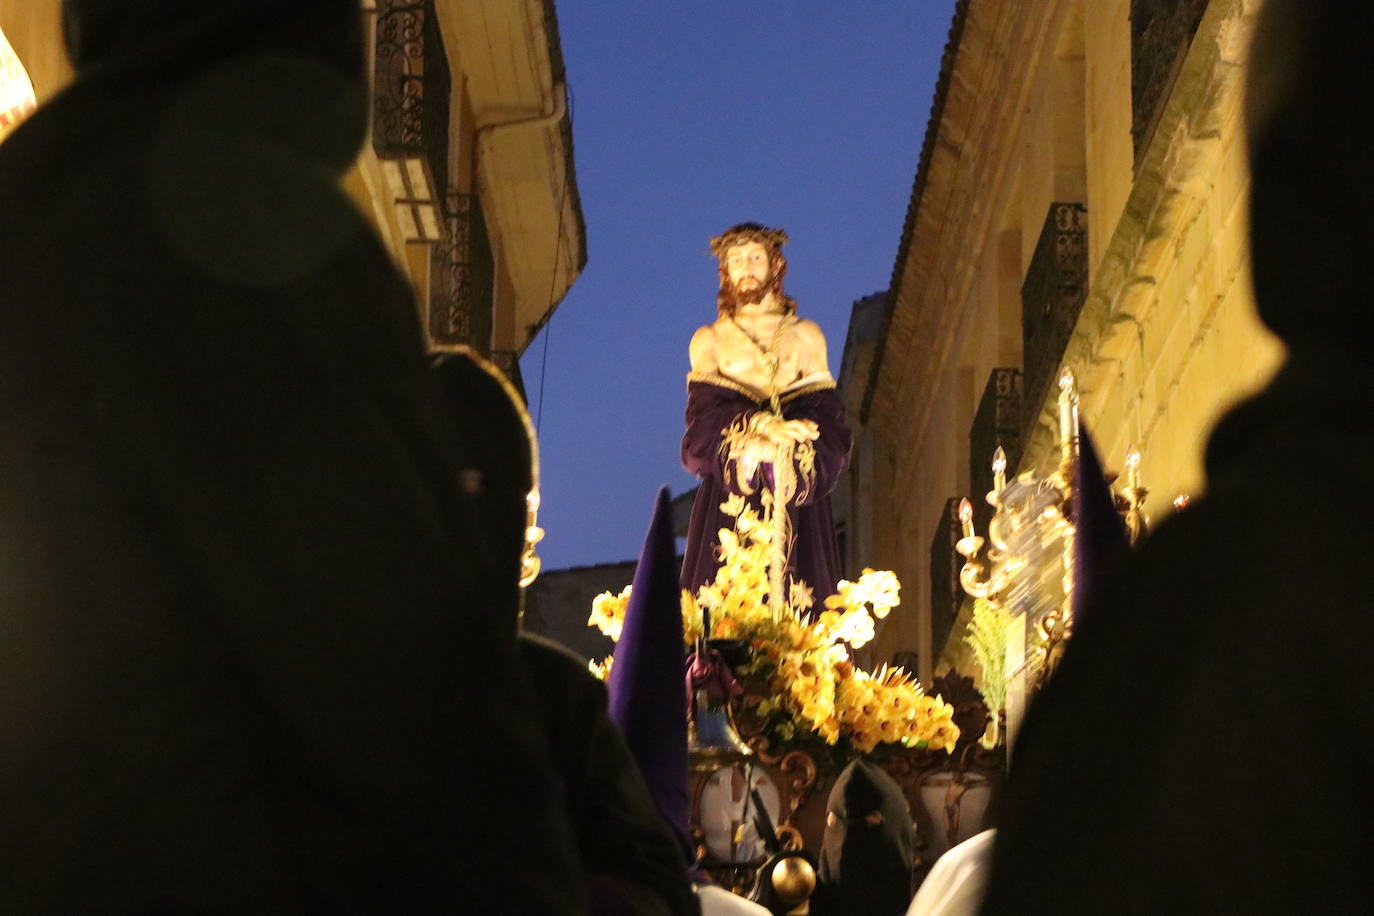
{"x": 247, "y": 657}
{"x": 1204, "y": 745}
{"x": 868, "y": 850}
{"x": 630, "y": 861}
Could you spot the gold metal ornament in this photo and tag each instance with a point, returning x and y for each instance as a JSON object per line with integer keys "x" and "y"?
{"x": 794, "y": 881}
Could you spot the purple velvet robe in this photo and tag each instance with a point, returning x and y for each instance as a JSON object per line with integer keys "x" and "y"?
{"x": 712, "y": 407}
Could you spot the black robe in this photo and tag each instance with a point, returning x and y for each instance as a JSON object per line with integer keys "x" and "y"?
{"x": 626, "y": 852}
{"x": 244, "y": 652}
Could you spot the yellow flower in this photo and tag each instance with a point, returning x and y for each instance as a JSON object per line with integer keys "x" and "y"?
{"x": 608, "y": 612}
{"x": 855, "y": 627}
{"x": 753, "y": 530}
{"x": 815, "y": 686}
{"x": 691, "y": 617}
{"x": 880, "y": 589}
{"x": 829, "y": 730}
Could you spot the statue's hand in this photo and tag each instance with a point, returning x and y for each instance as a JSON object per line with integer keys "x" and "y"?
{"x": 796, "y": 431}
{"x": 769, "y": 433}
{"x": 760, "y": 450}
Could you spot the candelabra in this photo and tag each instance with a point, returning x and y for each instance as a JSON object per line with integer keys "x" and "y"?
{"x": 1025, "y": 564}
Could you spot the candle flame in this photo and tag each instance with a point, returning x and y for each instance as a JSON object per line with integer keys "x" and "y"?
{"x": 999, "y": 461}
{"x": 1181, "y": 501}
{"x": 1132, "y": 458}
{"x": 965, "y": 511}
{"x": 1066, "y": 379}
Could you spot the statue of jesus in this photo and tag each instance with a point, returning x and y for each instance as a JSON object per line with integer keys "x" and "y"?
{"x": 763, "y": 416}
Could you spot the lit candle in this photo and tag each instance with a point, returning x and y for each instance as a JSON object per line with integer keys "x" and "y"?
{"x": 1181, "y": 501}
{"x": 1068, "y": 407}
{"x": 1133, "y": 467}
{"x": 966, "y": 516}
{"x": 999, "y": 469}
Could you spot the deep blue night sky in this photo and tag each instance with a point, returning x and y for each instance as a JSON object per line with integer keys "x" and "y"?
{"x": 687, "y": 118}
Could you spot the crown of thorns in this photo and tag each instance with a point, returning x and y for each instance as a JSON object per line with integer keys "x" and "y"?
{"x": 747, "y": 232}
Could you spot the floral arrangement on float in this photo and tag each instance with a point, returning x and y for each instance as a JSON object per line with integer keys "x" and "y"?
{"x": 811, "y": 689}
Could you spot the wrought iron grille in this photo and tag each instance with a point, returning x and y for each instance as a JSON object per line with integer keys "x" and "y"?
{"x": 997, "y": 423}
{"x": 945, "y": 592}
{"x": 410, "y": 114}
{"x": 1052, "y": 295}
{"x": 1161, "y": 33}
{"x": 460, "y": 308}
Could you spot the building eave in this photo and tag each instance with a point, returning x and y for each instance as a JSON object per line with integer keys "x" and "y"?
{"x": 923, "y": 167}
{"x": 511, "y": 60}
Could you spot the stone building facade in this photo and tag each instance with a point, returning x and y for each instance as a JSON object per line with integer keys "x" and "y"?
{"x": 1079, "y": 203}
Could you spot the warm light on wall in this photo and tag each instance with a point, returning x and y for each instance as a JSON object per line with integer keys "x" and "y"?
{"x": 415, "y": 207}
{"x": 16, "y": 90}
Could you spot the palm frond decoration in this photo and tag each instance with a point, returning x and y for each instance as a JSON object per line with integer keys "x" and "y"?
{"x": 987, "y": 637}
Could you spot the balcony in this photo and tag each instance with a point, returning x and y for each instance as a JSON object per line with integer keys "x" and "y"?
{"x": 410, "y": 114}
{"x": 996, "y": 424}
{"x": 461, "y": 275}
{"x": 1161, "y": 33}
{"x": 1055, "y": 288}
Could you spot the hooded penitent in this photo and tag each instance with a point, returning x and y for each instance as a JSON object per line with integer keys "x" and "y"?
{"x": 646, "y": 680}
{"x": 248, "y": 657}
{"x": 499, "y": 470}
{"x": 1099, "y": 534}
{"x": 869, "y": 846}
{"x": 630, "y": 861}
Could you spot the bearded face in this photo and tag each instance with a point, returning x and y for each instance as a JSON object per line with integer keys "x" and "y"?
{"x": 748, "y": 291}
{"x": 748, "y": 275}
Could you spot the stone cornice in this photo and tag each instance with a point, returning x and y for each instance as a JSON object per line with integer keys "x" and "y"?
{"x": 964, "y": 180}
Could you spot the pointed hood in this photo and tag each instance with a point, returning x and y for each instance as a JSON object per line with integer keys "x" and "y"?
{"x": 869, "y": 845}
{"x": 1100, "y": 534}
{"x": 647, "y": 675}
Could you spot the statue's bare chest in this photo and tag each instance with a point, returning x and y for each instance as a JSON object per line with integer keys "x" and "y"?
{"x": 766, "y": 355}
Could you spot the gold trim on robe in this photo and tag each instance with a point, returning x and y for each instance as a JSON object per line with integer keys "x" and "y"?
{"x": 816, "y": 381}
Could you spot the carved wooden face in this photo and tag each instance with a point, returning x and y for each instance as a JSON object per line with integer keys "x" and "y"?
{"x": 748, "y": 268}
